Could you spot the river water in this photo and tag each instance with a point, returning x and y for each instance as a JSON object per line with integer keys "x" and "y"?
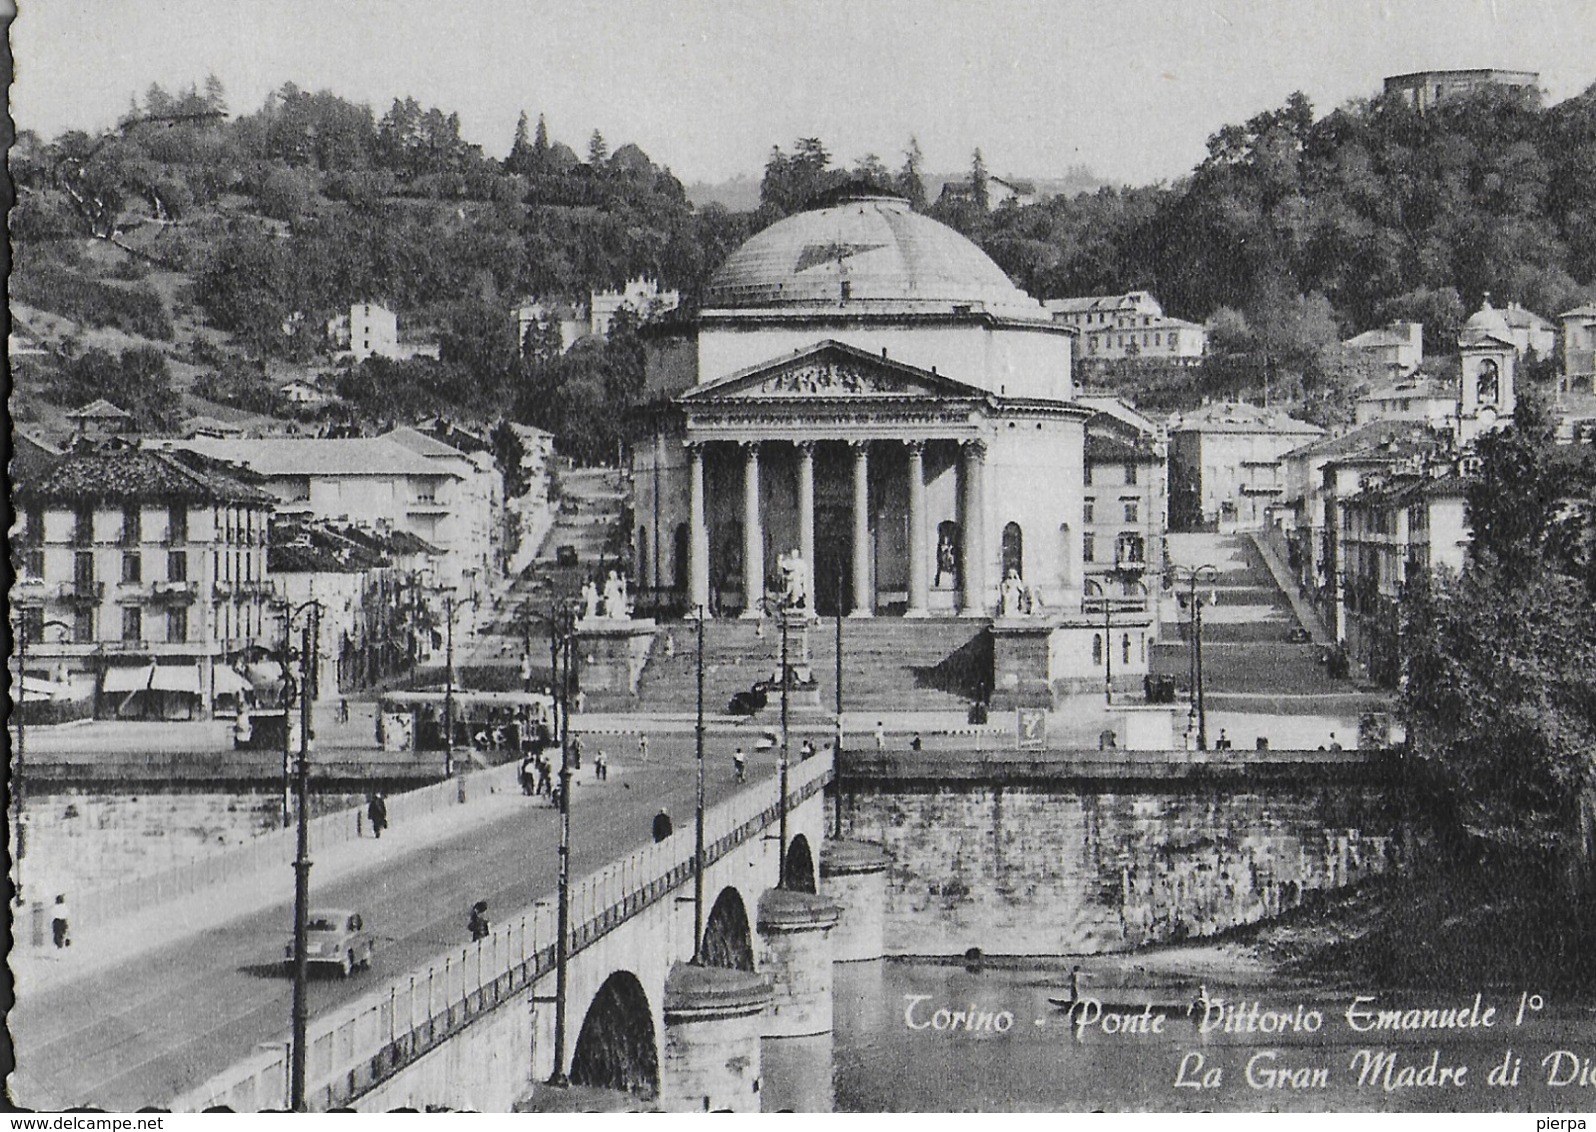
{"x": 888, "y": 1053}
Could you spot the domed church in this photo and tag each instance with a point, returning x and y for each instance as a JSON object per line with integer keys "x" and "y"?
{"x": 863, "y": 386}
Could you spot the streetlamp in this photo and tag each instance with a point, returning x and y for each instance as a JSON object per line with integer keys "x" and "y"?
{"x": 561, "y": 622}
{"x": 698, "y": 814}
{"x": 22, "y": 631}
{"x": 301, "y": 1010}
{"x": 1193, "y": 576}
{"x": 449, "y": 603}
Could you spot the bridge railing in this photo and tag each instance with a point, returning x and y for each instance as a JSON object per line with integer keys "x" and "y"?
{"x": 359, "y": 1044}
{"x": 115, "y": 899}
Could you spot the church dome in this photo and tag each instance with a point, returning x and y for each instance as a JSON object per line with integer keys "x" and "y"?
{"x": 1486, "y": 322}
{"x": 866, "y": 252}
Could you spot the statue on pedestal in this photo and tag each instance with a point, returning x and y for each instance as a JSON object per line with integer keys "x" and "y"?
{"x": 590, "y": 599}
{"x": 794, "y": 581}
{"x": 1012, "y": 595}
{"x": 615, "y": 597}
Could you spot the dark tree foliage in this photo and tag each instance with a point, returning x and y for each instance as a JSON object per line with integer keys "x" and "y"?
{"x": 1499, "y": 672}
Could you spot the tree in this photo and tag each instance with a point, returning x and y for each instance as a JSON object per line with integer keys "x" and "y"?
{"x": 597, "y": 150}
{"x": 520, "y": 159}
{"x": 1515, "y": 499}
{"x": 870, "y": 168}
{"x": 908, "y": 181}
{"x": 978, "y": 181}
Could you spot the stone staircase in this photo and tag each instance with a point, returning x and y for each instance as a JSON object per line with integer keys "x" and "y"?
{"x": 888, "y": 664}
{"x": 1248, "y": 650}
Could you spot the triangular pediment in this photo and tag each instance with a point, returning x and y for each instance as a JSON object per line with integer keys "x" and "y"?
{"x": 831, "y": 370}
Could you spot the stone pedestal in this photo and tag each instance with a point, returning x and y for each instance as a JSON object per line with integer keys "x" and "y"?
{"x": 1020, "y": 662}
{"x": 611, "y": 655}
{"x": 714, "y": 1018}
{"x": 795, "y": 951}
{"x": 854, "y": 874}
{"x": 803, "y": 689}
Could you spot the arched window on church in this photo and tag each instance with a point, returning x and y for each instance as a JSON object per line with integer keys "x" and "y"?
{"x": 1490, "y": 382}
{"x": 1013, "y": 551}
{"x": 1097, "y": 648}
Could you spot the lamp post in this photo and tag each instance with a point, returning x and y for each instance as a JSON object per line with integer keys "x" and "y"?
{"x": 562, "y": 643}
{"x": 301, "y": 1009}
{"x": 836, "y": 739}
{"x": 22, "y": 735}
{"x": 449, "y": 603}
{"x": 786, "y": 682}
{"x": 698, "y": 814}
{"x": 1193, "y": 576}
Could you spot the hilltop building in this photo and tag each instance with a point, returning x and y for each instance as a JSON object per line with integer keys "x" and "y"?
{"x": 371, "y": 330}
{"x": 1133, "y": 325}
{"x": 1423, "y": 89}
{"x": 574, "y": 321}
{"x": 1579, "y": 341}
{"x": 1396, "y": 350}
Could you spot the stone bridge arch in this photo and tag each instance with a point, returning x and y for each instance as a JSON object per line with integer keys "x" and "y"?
{"x": 615, "y": 1048}
{"x": 728, "y": 937}
{"x": 798, "y": 871}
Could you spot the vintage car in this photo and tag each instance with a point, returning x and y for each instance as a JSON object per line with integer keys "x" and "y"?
{"x": 334, "y": 938}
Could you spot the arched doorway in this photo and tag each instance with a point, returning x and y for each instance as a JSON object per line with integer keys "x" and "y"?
{"x": 798, "y": 871}
{"x": 947, "y": 562}
{"x": 1013, "y": 551}
{"x": 615, "y": 1049}
{"x": 728, "y": 940}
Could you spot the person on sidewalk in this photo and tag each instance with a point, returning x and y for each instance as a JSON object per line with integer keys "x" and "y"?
{"x": 59, "y": 922}
{"x": 642, "y": 747}
{"x": 545, "y": 775}
{"x": 478, "y": 921}
{"x": 881, "y": 736}
{"x": 377, "y": 811}
{"x": 601, "y": 767}
{"x": 662, "y": 825}
{"x": 740, "y": 765}
{"x": 343, "y": 711}
{"x": 807, "y": 751}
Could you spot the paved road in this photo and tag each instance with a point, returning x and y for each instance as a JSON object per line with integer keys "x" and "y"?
{"x": 144, "y": 1031}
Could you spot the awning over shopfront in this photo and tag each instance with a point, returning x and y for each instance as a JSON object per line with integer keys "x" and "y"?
{"x": 176, "y": 678}
{"x": 128, "y": 679}
{"x": 229, "y": 682}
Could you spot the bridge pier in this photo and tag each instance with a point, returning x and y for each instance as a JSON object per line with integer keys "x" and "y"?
{"x": 854, "y": 874}
{"x": 713, "y": 1020}
{"x": 795, "y": 951}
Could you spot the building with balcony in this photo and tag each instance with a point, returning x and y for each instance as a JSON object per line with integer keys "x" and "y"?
{"x": 1579, "y": 341}
{"x": 141, "y": 577}
{"x": 1115, "y": 327}
{"x": 365, "y": 481}
{"x": 1125, "y": 503}
{"x": 1224, "y": 464}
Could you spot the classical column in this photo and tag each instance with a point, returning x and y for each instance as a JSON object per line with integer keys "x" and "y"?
{"x": 753, "y": 534}
{"x": 973, "y": 574}
{"x": 863, "y": 599}
{"x": 918, "y": 566}
{"x": 697, "y": 532}
{"x": 806, "y": 508}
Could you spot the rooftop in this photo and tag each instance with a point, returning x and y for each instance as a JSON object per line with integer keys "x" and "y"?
{"x": 135, "y": 475}
{"x": 1375, "y": 437}
{"x": 1239, "y": 416}
{"x": 295, "y": 456}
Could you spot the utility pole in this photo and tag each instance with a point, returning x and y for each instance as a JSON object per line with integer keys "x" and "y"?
{"x": 448, "y": 687}
{"x": 786, "y": 681}
{"x": 301, "y": 1009}
{"x": 1193, "y": 576}
{"x": 562, "y": 944}
{"x": 836, "y": 742}
{"x": 698, "y": 817}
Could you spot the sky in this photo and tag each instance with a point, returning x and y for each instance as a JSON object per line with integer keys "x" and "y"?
{"x": 1130, "y": 90}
